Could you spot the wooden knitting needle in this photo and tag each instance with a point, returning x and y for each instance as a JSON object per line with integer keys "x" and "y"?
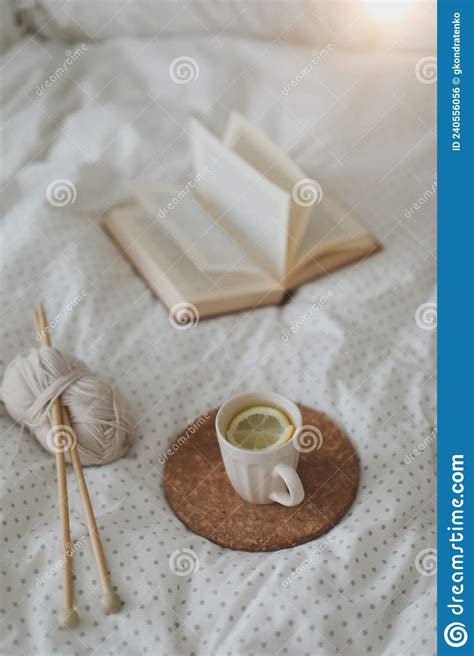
{"x": 109, "y": 599}
{"x": 68, "y": 618}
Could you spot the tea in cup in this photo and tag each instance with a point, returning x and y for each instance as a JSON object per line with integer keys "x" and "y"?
{"x": 256, "y": 432}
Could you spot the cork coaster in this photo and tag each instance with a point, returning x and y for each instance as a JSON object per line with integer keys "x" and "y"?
{"x": 201, "y": 495}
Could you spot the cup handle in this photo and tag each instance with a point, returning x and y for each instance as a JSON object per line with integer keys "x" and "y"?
{"x": 295, "y": 493}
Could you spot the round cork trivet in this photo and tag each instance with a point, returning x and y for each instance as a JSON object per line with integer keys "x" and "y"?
{"x": 201, "y": 495}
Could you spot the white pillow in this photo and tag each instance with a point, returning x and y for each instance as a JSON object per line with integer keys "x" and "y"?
{"x": 358, "y": 24}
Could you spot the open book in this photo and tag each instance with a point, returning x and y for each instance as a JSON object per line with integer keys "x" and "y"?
{"x": 247, "y": 226}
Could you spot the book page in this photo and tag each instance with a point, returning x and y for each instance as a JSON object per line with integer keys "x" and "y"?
{"x": 331, "y": 229}
{"x": 201, "y": 239}
{"x": 252, "y": 208}
{"x": 258, "y": 150}
{"x": 170, "y": 272}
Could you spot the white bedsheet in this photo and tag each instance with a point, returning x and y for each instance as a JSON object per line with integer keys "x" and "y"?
{"x": 363, "y": 126}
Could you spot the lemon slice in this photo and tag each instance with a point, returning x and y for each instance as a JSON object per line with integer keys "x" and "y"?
{"x": 259, "y": 427}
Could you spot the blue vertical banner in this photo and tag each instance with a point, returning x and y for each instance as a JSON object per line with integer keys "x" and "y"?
{"x": 455, "y": 327}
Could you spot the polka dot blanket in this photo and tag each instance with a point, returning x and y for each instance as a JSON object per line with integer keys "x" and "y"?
{"x": 357, "y": 344}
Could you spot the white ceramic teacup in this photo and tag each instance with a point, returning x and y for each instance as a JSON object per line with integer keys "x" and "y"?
{"x": 266, "y": 475}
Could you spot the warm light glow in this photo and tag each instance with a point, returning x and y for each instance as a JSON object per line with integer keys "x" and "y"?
{"x": 389, "y": 10}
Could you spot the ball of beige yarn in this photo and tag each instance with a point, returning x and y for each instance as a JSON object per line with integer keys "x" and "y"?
{"x": 99, "y": 415}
